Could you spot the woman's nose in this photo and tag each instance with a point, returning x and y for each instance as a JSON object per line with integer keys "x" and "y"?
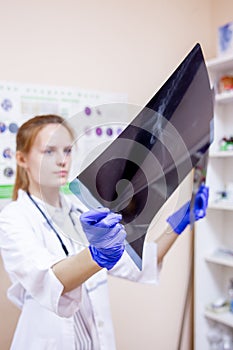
{"x": 62, "y": 163}
{"x": 61, "y": 160}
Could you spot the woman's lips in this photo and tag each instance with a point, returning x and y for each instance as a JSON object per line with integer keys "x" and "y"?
{"x": 62, "y": 173}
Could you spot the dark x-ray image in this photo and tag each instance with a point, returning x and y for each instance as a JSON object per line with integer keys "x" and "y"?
{"x": 140, "y": 169}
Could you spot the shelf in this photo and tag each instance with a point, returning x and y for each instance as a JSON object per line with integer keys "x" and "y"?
{"x": 224, "y": 318}
{"x": 220, "y": 63}
{"x": 220, "y": 259}
{"x": 221, "y": 205}
{"x": 214, "y": 257}
{"x": 224, "y": 97}
{"x": 221, "y": 154}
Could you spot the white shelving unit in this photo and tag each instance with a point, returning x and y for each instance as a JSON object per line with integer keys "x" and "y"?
{"x": 213, "y": 265}
{"x": 225, "y": 318}
{"x": 221, "y": 154}
{"x": 221, "y": 205}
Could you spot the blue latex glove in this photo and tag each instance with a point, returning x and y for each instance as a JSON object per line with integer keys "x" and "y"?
{"x": 182, "y": 218}
{"x": 107, "y": 257}
{"x": 105, "y": 235}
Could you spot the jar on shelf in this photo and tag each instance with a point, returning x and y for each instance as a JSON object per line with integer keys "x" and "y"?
{"x": 225, "y": 83}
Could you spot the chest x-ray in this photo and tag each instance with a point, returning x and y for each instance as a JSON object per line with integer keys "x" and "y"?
{"x": 143, "y": 166}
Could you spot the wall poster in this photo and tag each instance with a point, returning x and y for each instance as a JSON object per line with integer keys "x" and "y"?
{"x": 20, "y": 102}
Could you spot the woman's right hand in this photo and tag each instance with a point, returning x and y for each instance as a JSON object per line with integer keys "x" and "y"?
{"x": 105, "y": 234}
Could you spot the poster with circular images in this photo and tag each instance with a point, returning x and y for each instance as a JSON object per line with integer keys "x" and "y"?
{"x": 84, "y": 110}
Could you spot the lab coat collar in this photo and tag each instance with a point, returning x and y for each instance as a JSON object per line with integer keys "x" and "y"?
{"x": 65, "y": 209}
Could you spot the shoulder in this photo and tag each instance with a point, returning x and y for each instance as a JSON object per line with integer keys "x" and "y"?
{"x": 14, "y": 219}
{"x": 19, "y": 216}
{"x": 16, "y": 208}
{"x": 12, "y": 207}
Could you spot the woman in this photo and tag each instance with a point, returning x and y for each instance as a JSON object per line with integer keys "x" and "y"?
{"x": 57, "y": 265}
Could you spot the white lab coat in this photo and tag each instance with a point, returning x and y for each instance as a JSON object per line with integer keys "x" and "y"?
{"x": 29, "y": 248}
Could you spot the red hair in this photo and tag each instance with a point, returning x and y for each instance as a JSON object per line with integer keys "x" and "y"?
{"x": 24, "y": 141}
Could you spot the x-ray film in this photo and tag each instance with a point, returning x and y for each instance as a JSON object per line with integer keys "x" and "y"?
{"x": 143, "y": 166}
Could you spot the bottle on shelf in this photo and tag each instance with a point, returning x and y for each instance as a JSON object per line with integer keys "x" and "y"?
{"x": 220, "y": 337}
{"x": 227, "y": 343}
{"x": 214, "y": 337}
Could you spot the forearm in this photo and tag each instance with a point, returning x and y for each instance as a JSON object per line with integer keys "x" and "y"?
{"x": 75, "y": 270}
{"x": 164, "y": 242}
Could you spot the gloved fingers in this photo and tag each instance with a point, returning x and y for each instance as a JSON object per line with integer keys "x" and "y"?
{"x": 113, "y": 231}
{"x": 182, "y": 217}
{"x": 91, "y": 217}
{"x": 100, "y": 218}
{"x": 203, "y": 190}
{"x": 201, "y": 202}
{"x": 201, "y": 199}
{"x": 117, "y": 237}
{"x": 199, "y": 214}
{"x": 110, "y": 220}
{"x": 207, "y": 196}
{"x": 114, "y": 237}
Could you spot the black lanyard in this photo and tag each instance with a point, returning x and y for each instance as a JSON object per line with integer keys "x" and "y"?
{"x": 49, "y": 223}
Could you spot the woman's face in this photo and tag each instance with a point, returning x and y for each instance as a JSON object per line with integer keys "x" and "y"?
{"x": 49, "y": 160}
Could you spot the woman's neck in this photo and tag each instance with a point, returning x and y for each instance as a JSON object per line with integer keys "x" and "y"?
{"x": 47, "y": 195}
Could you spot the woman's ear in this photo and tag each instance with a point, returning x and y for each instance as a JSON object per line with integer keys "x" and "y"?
{"x": 21, "y": 159}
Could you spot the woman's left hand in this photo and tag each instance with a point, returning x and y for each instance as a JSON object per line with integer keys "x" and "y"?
{"x": 182, "y": 217}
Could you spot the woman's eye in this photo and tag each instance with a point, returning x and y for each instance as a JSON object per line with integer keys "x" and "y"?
{"x": 48, "y": 151}
{"x": 68, "y": 150}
